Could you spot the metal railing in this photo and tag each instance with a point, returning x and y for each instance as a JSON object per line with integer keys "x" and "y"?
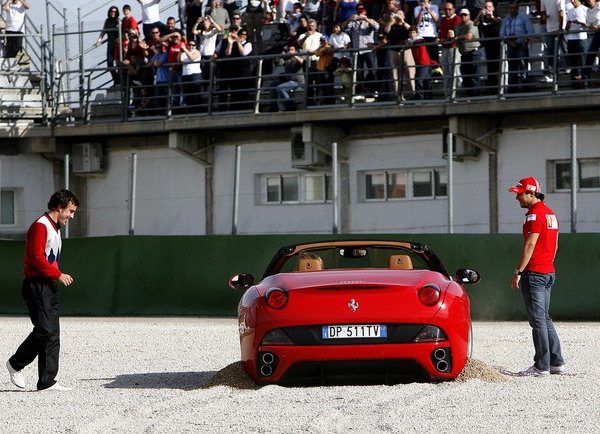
{"x": 250, "y": 84}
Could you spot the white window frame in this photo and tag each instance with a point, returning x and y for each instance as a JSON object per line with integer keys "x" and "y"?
{"x": 301, "y": 185}
{"x": 14, "y": 207}
{"x": 409, "y": 176}
{"x": 552, "y": 175}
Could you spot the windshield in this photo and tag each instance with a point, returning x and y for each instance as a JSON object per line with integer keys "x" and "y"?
{"x": 332, "y": 258}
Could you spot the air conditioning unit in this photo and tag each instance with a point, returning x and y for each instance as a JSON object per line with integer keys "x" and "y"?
{"x": 305, "y": 156}
{"x": 461, "y": 150}
{"x": 88, "y": 158}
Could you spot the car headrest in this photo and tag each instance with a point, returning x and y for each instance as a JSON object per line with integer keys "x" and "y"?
{"x": 400, "y": 262}
{"x": 309, "y": 264}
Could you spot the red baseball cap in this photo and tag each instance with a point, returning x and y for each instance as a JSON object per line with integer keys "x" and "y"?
{"x": 530, "y": 185}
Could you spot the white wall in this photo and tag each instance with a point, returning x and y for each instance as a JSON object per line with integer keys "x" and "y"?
{"x": 32, "y": 176}
{"x": 170, "y": 195}
{"x": 525, "y": 153}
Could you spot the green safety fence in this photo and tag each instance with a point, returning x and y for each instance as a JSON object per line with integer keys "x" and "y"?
{"x": 187, "y": 275}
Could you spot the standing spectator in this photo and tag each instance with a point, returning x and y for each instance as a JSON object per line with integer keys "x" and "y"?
{"x": 170, "y": 29}
{"x": 593, "y": 23}
{"x": 361, "y": 30}
{"x": 191, "y": 75}
{"x": 128, "y": 22}
{"x": 339, "y": 41}
{"x": 233, "y": 74}
{"x": 325, "y": 67}
{"x": 489, "y": 28}
{"x": 423, "y": 64}
{"x": 383, "y": 75}
{"x": 43, "y": 249}
{"x": 467, "y": 37}
{"x": 344, "y": 10}
{"x": 535, "y": 274}
{"x": 310, "y": 42}
{"x": 298, "y": 30}
{"x": 207, "y": 40}
{"x": 174, "y": 44}
{"x": 15, "y": 24}
{"x": 402, "y": 59}
{"x": 450, "y": 53}
{"x": 311, "y": 8}
{"x": 220, "y": 15}
{"x": 191, "y": 12}
{"x": 554, "y": 13}
{"x": 159, "y": 61}
{"x": 426, "y": 18}
{"x": 254, "y": 15}
{"x": 231, "y": 7}
{"x": 514, "y": 30}
{"x": 156, "y": 38}
{"x": 151, "y": 17}
{"x": 576, "y": 17}
{"x": 111, "y": 30}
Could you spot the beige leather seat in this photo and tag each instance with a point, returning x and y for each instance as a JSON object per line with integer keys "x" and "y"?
{"x": 309, "y": 264}
{"x": 400, "y": 262}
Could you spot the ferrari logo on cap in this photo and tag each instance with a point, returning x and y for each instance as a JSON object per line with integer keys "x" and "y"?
{"x": 353, "y": 305}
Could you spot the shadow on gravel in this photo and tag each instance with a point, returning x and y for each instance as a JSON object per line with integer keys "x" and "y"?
{"x": 232, "y": 375}
{"x": 161, "y": 380}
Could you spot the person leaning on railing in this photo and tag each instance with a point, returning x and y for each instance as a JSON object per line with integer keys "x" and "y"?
{"x": 111, "y": 31}
{"x": 466, "y": 37}
{"x": 592, "y": 22}
{"x": 576, "y": 17}
{"x": 15, "y": 24}
{"x": 515, "y": 29}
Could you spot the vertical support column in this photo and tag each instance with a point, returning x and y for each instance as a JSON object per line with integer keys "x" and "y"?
{"x": 450, "y": 154}
{"x": 236, "y": 190}
{"x": 336, "y": 187}
{"x": 132, "y": 194}
{"x": 574, "y": 178}
{"x": 67, "y": 186}
{"x": 493, "y": 190}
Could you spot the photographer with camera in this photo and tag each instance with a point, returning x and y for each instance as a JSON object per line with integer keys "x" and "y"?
{"x": 15, "y": 24}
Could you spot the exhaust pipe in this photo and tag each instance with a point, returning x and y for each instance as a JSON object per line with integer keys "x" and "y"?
{"x": 268, "y": 358}
{"x": 439, "y": 354}
{"x": 442, "y": 366}
{"x": 266, "y": 370}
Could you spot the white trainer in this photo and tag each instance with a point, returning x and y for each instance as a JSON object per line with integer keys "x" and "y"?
{"x": 58, "y": 387}
{"x": 16, "y": 377}
{"x": 532, "y": 371}
{"x": 558, "y": 370}
{"x": 547, "y": 79}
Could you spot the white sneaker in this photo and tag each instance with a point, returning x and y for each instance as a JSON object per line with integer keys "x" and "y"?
{"x": 58, "y": 387}
{"x": 532, "y": 371}
{"x": 558, "y": 370}
{"x": 16, "y": 377}
{"x": 547, "y": 79}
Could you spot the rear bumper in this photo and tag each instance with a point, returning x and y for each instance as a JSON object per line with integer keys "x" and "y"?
{"x": 378, "y": 363}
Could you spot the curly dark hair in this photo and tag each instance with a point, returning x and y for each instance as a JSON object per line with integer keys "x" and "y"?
{"x": 62, "y": 199}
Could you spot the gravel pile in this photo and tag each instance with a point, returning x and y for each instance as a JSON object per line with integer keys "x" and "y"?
{"x": 161, "y": 375}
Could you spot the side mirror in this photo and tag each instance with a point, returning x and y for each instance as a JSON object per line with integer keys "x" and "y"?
{"x": 467, "y": 276}
{"x": 241, "y": 281}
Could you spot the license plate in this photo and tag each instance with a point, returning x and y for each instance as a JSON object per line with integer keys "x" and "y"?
{"x": 354, "y": 331}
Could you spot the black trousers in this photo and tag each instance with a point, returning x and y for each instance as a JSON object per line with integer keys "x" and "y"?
{"x": 42, "y": 301}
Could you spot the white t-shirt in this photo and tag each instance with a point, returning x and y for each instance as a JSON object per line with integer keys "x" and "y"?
{"x": 592, "y": 17}
{"x": 190, "y": 66}
{"x": 15, "y": 17}
{"x": 427, "y": 26}
{"x": 576, "y": 14}
{"x": 339, "y": 42}
{"x": 208, "y": 42}
{"x": 552, "y": 9}
{"x": 150, "y": 11}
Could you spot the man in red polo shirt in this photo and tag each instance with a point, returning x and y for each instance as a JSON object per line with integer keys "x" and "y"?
{"x": 534, "y": 274}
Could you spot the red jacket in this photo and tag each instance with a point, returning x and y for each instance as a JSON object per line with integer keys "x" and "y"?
{"x": 42, "y": 250}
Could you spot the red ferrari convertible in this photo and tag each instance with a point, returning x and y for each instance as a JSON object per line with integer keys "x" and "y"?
{"x": 354, "y": 312}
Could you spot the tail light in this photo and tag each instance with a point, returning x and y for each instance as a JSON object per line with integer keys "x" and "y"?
{"x": 276, "y": 337}
{"x": 430, "y": 333}
{"x": 429, "y": 294}
{"x": 276, "y": 298}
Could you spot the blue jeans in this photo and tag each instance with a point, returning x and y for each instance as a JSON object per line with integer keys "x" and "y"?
{"x": 536, "y": 289}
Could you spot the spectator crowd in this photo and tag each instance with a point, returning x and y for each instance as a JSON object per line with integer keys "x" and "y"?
{"x": 384, "y": 49}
